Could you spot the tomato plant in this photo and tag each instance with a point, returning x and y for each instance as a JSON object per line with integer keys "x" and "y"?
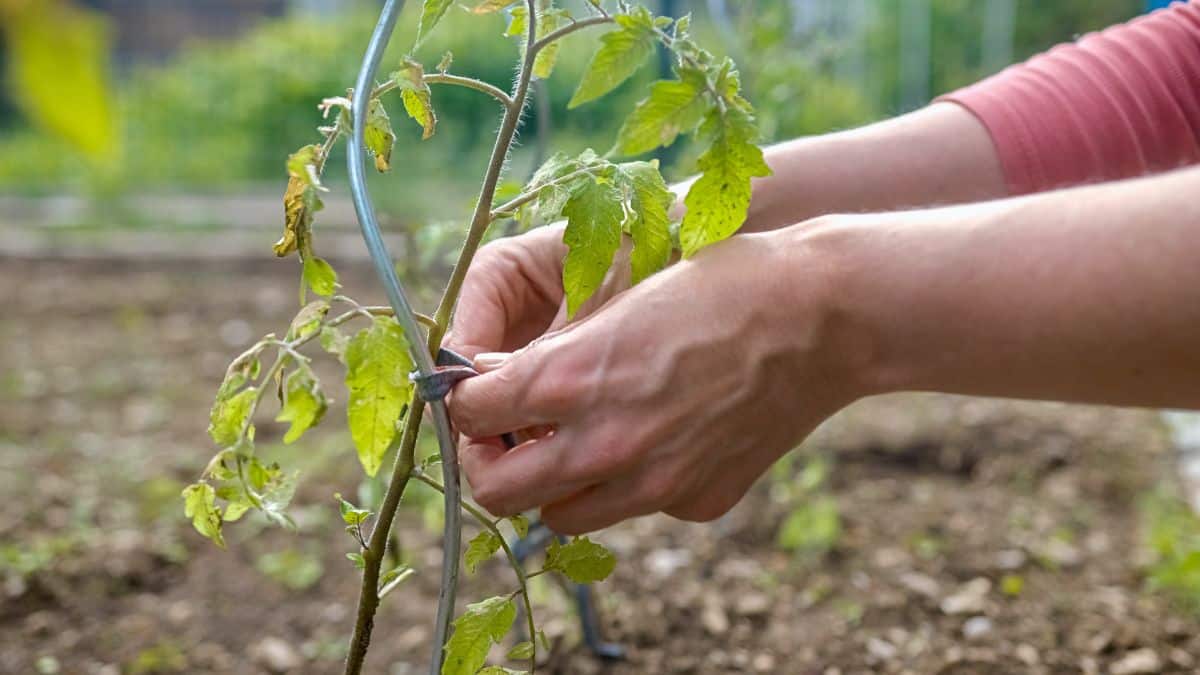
{"x": 604, "y": 201}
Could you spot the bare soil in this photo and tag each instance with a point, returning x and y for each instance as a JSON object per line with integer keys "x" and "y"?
{"x": 977, "y": 536}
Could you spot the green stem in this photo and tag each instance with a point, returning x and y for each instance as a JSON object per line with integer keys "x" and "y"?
{"x": 524, "y": 198}
{"x": 568, "y": 29}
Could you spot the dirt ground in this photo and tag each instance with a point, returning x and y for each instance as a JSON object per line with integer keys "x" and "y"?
{"x": 975, "y": 536}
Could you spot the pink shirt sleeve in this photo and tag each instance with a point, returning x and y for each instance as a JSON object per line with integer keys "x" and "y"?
{"x": 1119, "y": 103}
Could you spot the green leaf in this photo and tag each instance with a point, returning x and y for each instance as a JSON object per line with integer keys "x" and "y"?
{"x": 483, "y": 546}
{"x": 304, "y": 404}
{"x": 393, "y": 574}
{"x": 548, "y": 22}
{"x": 431, "y": 14}
{"x": 649, "y": 224}
{"x": 582, "y": 560}
{"x": 417, "y": 97}
{"x": 518, "y": 25}
{"x": 379, "y": 137}
{"x": 277, "y": 495}
{"x": 483, "y": 624}
{"x": 351, "y": 515}
{"x": 377, "y": 368}
{"x": 333, "y": 340}
{"x": 520, "y": 525}
{"x": 501, "y": 670}
{"x": 200, "y": 504}
{"x": 621, "y": 53}
{"x": 302, "y": 165}
{"x": 320, "y": 276}
{"x": 228, "y": 416}
{"x": 673, "y": 107}
{"x": 717, "y": 202}
{"x": 357, "y": 559}
{"x": 594, "y": 215}
{"x": 521, "y": 650}
{"x": 308, "y": 320}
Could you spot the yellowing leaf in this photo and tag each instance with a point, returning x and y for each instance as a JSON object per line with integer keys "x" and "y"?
{"x": 483, "y": 546}
{"x": 418, "y": 99}
{"x": 649, "y": 224}
{"x": 593, "y": 235}
{"x": 300, "y": 203}
{"x": 303, "y": 406}
{"x": 377, "y": 368}
{"x": 308, "y": 319}
{"x": 582, "y": 560}
{"x": 718, "y": 200}
{"x": 520, "y": 525}
{"x": 200, "y": 504}
{"x": 674, "y": 106}
{"x": 229, "y": 416}
{"x": 379, "y": 136}
{"x": 58, "y": 67}
{"x": 490, "y": 6}
{"x": 548, "y": 22}
{"x": 621, "y": 53}
{"x": 483, "y": 624}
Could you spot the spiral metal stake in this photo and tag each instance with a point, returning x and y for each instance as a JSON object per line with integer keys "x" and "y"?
{"x": 382, "y": 260}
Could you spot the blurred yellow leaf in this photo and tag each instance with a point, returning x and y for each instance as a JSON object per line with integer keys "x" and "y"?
{"x": 58, "y": 66}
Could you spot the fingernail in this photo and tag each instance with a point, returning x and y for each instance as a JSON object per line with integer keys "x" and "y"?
{"x": 490, "y": 360}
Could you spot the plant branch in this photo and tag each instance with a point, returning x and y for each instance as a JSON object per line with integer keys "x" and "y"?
{"x": 567, "y": 30}
{"x": 524, "y": 198}
{"x": 458, "y": 80}
{"x": 518, "y": 568}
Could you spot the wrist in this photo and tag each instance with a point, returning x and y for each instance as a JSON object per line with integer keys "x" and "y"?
{"x": 818, "y": 265}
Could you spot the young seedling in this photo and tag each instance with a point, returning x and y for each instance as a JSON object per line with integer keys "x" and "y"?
{"x": 604, "y": 201}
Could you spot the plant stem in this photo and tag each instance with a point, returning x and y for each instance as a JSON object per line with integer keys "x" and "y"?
{"x": 568, "y": 29}
{"x": 518, "y": 568}
{"x": 446, "y": 78}
{"x": 525, "y": 198}
{"x": 368, "y": 600}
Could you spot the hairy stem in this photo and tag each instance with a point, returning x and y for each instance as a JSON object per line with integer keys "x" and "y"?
{"x": 568, "y": 29}
{"x": 458, "y": 80}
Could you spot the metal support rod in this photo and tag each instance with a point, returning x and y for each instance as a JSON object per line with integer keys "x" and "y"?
{"x": 382, "y": 260}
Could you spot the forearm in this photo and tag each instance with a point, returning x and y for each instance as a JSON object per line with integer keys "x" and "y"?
{"x": 938, "y": 155}
{"x": 1091, "y": 294}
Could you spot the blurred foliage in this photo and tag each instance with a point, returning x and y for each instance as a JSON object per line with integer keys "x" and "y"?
{"x": 1171, "y": 534}
{"x": 223, "y": 115}
{"x": 957, "y": 55}
{"x": 58, "y": 71}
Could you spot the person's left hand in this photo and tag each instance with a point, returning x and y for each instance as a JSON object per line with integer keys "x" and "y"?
{"x": 674, "y": 396}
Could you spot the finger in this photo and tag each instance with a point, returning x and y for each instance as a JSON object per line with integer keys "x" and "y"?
{"x": 596, "y": 508}
{"x": 526, "y": 477}
{"x": 533, "y": 387}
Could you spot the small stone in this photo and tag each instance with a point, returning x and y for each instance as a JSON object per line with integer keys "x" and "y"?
{"x": 276, "y": 655}
{"x": 665, "y": 562}
{"x": 764, "y": 663}
{"x": 977, "y": 628}
{"x": 714, "y": 619}
{"x": 969, "y": 599}
{"x": 1061, "y": 553}
{"x": 1010, "y": 559}
{"x": 920, "y": 584}
{"x": 1182, "y": 659}
{"x": 1028, "y": 655}
{"x": 881, "y": 649}
{"x": 753, "y": 605}
{"x": 1138, "y": 662}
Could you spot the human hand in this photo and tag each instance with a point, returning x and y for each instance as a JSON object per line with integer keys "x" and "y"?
{"x": 675, "y": 396}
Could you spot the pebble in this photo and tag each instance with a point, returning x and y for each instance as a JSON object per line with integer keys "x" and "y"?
{"x": 1010, "y": 559}
{"x": 665, "y": 562}
{"x": 881, "y": 649}
{"x": 969, "y": 599}
{"x": 1138, "y": 662}
{"x": 977, "y": 628}
{"x": 764, "y": 663}
{"x": 1028, "y": 655}
{"x": 276, "y": 655}
{"x": 921, "y": 584}
{"x": 753, "y": 605}
{"x": 714, "y": 619}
